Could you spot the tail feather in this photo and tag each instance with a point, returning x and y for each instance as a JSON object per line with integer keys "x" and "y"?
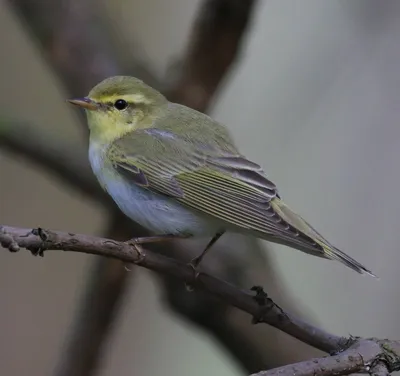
{"x": 336, "y": 254}
{"x": 329, "y": 251}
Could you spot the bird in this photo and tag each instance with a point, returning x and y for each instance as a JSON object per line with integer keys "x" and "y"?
{"x": 178, "y": 173}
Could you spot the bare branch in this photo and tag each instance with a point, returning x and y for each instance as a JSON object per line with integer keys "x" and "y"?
{"x": 365, "y": 356}
{"x": 360, "y": 355}
{"x": 261, "y": 308}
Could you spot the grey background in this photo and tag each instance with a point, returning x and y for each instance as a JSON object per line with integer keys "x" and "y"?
{"x": 314, "y": 99}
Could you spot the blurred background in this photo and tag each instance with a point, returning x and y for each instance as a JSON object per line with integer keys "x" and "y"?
{"x": 309, "y": 89}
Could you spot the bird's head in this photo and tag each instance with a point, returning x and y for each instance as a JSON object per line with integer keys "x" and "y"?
{"x": 119, "y": 105}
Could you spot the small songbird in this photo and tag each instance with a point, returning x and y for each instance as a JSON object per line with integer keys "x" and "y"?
{"x": 177, "y": 172}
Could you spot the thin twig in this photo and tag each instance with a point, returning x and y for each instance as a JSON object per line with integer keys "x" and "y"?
{"x": 365, "y": 356}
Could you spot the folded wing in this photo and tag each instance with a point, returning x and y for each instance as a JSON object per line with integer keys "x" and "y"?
{"x": 216, "y": 181}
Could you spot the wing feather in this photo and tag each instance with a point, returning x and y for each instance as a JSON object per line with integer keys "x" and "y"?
{"x": 220, "y": 183}
{"x": 201, "y": 168}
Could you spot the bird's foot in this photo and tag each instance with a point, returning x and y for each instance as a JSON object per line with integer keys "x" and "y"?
{"x": 265, "y": 303}
{"x": 43, "y": 235}
{"x": 261, "y": 296}
{"x": 141, "y": 254}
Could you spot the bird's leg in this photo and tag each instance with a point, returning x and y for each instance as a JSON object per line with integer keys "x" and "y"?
{"x": 195, "y": 262}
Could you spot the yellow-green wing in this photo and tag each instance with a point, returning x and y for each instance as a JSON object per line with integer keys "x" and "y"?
{"x": 220, "y": 182}
{"x": 215, "y": 180}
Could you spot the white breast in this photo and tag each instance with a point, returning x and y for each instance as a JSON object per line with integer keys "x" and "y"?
{"x": 158, "y": 213}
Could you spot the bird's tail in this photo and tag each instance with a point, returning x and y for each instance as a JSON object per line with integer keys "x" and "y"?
{"x": 329, "y": 251}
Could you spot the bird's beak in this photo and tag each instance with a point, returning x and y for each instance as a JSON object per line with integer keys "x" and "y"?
{"x": 85, "y": 103}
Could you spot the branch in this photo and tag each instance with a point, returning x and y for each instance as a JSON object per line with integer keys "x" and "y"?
{"x": 215, "y": 43}
{"x": 373, "y": 356}
{"x": 261, "y": 308}
{"x": 361, "y": 355}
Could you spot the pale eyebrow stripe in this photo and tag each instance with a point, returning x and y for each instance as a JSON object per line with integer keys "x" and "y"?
{"x": 134, "y": 98}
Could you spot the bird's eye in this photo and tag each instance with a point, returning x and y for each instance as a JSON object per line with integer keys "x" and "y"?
{"x": 120, "y": 104}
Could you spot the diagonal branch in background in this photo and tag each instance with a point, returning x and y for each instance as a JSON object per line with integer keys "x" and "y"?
{"x": 216, "y": 40}
{"x": 355, "y": 354}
